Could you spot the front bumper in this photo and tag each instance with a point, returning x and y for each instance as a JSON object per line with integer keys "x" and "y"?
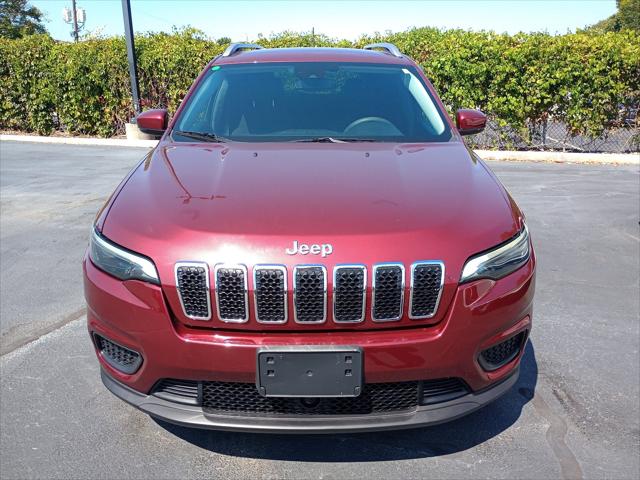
{"x": 135, "y": 315}
{"x": 194, "y": 416}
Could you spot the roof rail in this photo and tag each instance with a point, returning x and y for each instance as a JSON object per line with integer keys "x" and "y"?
{"x": 390, "y": 48}
{"x": 237, "y": 47}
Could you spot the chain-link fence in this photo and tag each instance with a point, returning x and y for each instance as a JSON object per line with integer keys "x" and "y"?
{"x": 553, "y": 135}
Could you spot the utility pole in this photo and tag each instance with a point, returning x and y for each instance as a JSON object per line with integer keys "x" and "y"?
{"x": 75, "y": 20}
{"x": 76, "y": 17}
{"x": 131, "y": 55}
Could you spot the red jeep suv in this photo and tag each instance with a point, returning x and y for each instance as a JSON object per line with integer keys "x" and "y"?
{"x": 311, "y": 247}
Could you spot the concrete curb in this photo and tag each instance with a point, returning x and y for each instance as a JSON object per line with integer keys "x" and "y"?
{"x": 103, "y": 142}
{"x": 517, "y": 156}
{"x": 561, "y": 157}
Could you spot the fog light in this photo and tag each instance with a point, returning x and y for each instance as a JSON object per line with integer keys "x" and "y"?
{"x": 499, "y": 355}
{"x": 122, "y": 359}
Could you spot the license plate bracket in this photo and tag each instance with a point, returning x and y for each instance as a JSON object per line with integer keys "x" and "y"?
{"x": 309, "y": 371}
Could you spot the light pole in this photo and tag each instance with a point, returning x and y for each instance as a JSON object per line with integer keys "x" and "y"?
{"x": 131, "y": 54}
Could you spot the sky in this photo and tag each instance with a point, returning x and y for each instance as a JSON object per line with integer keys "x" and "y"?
{"x": 243, "y": 20}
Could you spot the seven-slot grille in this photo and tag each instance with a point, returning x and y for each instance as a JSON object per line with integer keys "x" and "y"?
{"x": 310, "y": 293}
{"x": 270, "y": 291}
{"x": 349, "y": 293}
{"x": 388, "y": 292}
{"x": 426, "y": 287}
{"x": 232, "y": 300}
{"x": 192, "y": 280}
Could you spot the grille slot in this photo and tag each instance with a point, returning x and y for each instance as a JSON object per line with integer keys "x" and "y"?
{"x": 181, "y": 391}
{"x": 388, "y": 292}
{"x": 349, "y": 293}
{"x": 270, "y": 292}
{"x": 192, "y": 282}
{"x": 427, "y": 279}
{"x": 121, "y": 358}
{"x": 442, "y": 390}
{"x": 232, "y": 301}
{"x": 310, "y": 293}
{"x": 495, "y": 357}
{"x": 243, "y": 398}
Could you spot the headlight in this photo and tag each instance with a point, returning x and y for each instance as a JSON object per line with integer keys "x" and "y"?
{"x": 119, "y": 262}
{"x": 500, "y": 261}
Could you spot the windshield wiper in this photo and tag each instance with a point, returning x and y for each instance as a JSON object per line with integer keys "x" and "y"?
{"x": 319, "y": 140}
{"x": 203, "y": 136}
{"x": 352, "y": 139}
{"x": 334, "y": 140}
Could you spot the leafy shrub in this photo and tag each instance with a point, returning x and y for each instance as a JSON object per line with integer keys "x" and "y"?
{"x": 586, "y": 80}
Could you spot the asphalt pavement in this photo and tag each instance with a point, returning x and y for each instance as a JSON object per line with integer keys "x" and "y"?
{"x": 575, "y": 412}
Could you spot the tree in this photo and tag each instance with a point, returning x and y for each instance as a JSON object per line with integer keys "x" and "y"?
{"x": 626, "y": 18}
{"x": 629, "y": 14}
{"x": 223, "y": 41}
{"x": 18, "y": 19}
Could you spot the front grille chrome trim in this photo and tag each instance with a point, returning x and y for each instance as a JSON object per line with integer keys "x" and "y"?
{"x": 285, "y": 299}
{"x": 336, "y": 269}
{"x": 238, "y": 266}
{"x": 324, "y": 302}
{"x": 435, "y": 308}
{"x": 208, "y": 284}
{"x": 373, "y": 291}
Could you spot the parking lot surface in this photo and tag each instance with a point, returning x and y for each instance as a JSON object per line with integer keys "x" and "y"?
{"x": 574, "y": 413}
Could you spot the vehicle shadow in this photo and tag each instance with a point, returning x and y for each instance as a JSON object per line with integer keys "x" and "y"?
{"x": 444, "y": 439}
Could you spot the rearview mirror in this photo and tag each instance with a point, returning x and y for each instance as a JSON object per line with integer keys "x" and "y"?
{"x": 470, "y": 121}
{"x": 152, "y": 122}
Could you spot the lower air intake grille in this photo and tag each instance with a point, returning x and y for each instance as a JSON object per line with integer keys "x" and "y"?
{"x": 502, "y": 353}
{"x": 231, "y": 293}
{"x": 243, "y": 398}
{"x": 388, "y": 292}
{"x": 310, "y": 294}
{"x": 349, "y": 284}
{"x": 121, "y": 358}
{"x": 192, "y": 280}
{"x": 181, "y": 391}
{"x": 270, "y": 294}
{"x": 437, "y": 391}
{"x": 426, "y": 284}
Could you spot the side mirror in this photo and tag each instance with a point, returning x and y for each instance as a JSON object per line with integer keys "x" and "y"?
{"x": 470, "y": 121}
{"x": 152, "y": 122}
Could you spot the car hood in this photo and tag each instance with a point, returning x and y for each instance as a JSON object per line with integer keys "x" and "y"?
{"x": 247, "y": 203}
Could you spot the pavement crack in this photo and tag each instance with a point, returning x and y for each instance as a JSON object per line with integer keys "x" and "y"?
{"x": 41, "y": 332}
{"x": 569, "y": 466}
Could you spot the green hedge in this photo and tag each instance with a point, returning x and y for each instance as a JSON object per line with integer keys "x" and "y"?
{"x": 582, "y": 79}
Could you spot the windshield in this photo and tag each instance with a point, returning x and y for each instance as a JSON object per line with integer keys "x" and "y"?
{"x": 277, "y": 102}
